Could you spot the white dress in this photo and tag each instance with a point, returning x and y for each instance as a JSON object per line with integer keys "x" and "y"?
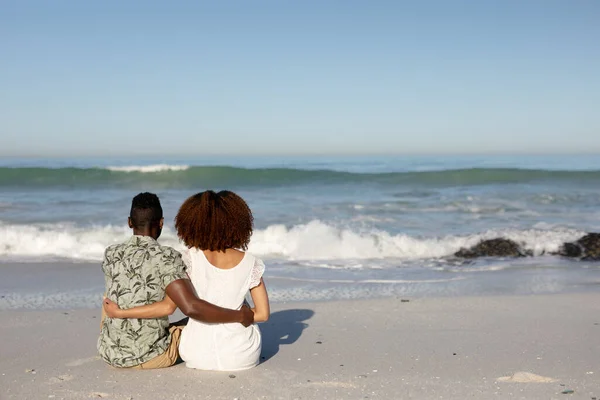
{"x": 222, "y": 347}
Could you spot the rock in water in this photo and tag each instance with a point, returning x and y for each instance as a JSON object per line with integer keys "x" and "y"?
{"x": 570, "y": 250}
{"x": 587, "y": 248}
{"x": 591, "y": 246}
{"x": 498, "y": 247}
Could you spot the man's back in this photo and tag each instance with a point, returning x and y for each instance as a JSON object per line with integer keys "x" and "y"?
{"x": 137, "y": 272}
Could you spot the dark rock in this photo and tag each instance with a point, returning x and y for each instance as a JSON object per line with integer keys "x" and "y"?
{"x": 571, "y": 250}
{"x": 498, "y": 247}
{"x": 591, "y": 246}
{"x": 586, "y": 248}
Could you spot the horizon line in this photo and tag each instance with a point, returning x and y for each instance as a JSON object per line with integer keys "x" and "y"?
{"x": 306, "y": 155}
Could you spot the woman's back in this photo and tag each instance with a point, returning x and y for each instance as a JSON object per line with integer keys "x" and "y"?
{"x": 227, "y": 259}
{"x": 223, "y": 279}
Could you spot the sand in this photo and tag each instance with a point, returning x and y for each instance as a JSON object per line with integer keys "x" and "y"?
{"x": 513, "y": 347}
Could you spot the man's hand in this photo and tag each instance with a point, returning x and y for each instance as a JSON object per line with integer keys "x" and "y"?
{"x": 247, "y": 317}
{"x": 111, "y": 308}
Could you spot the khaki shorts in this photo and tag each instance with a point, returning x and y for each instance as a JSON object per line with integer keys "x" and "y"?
{"x": 169, "y": 357}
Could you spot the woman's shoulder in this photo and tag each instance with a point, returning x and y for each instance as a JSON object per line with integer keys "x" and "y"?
{"x": 252, "y": 259}
{"x": 257, "y": 269}
{"x": 257, "y": 261}
{"x": 253, "y": 262}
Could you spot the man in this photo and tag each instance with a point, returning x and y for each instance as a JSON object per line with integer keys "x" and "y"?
{"x": 140, "y": 271}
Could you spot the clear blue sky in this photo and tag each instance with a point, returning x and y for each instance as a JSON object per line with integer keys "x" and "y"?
{"x": 299, "y": 77}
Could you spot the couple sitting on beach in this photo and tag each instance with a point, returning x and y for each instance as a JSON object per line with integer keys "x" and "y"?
{"x": 146, "y": 282}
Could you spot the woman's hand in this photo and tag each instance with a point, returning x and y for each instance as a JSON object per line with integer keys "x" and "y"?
{"x": 111, "y": 308}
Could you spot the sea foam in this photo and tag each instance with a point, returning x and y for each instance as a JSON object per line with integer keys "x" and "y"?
{"x": 149, "y": 168}
{"x": 313, "y": 241}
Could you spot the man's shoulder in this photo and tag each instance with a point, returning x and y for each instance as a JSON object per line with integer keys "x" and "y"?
{"x": 158, "y": 251}
{"x": 143, "y": 244}
{"x": 168, "y": 251}
{"x": 113, "y": 248}
{"x": 170, "y": 262}
{"x": 154, "y": 250}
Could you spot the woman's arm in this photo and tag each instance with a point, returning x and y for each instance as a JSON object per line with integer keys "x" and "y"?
{"x": 155, "y": 310}
{"x": 260, "y": 298}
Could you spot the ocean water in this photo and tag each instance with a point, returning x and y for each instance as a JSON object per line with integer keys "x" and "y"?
{"x": 327, "y": 227}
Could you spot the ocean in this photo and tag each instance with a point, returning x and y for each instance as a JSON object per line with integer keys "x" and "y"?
{"x": 327, "y": 227}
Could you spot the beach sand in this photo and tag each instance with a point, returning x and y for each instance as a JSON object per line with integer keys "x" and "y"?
{"x": 513, "y": 347}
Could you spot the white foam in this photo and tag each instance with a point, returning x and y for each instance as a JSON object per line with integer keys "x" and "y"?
{"x": 308, "y": 243}
{"x": 64, "y": 240}
{"x": 319, "y": 241}
{"x": 149, "y": 168}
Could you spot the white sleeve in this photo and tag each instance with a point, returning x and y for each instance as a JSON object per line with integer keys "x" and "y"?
{"x": 257, "y": 272}
{"x": 187, "y": 260}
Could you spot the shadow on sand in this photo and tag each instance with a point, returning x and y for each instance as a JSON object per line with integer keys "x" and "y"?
{"x": 283, "y": 327}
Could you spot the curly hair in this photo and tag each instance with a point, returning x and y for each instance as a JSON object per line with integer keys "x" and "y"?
{"x": 215, "y": 221}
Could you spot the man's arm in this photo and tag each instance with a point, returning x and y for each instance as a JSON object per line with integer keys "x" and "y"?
{"x": 182, "y": 293}
{"x": 155, "y": 310}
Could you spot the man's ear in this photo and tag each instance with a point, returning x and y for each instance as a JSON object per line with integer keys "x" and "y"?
{"x": 162, "y": 220}
{"x": 129, "y": 222}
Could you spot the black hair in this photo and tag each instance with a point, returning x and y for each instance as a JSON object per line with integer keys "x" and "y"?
{"x": 146, "y": 210}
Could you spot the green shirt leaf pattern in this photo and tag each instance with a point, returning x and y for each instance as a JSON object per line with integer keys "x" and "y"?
{"x": 137, "y": 272}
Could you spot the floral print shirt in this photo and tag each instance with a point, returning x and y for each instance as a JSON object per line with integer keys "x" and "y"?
{"x": 136, "y": 273}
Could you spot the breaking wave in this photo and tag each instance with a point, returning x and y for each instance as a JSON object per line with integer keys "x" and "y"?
{"x": 309, "y": 242}
{"x": 149, "y": 168}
